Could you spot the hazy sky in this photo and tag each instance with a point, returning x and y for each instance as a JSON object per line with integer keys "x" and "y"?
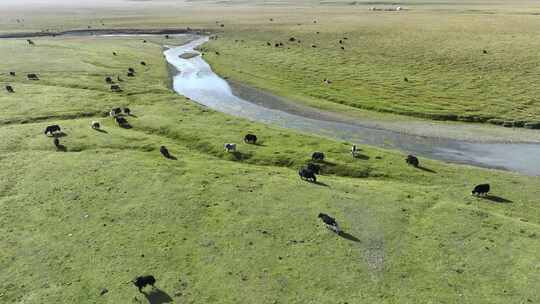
{"x": 85, "y": 3}
{"x": 63, "y": 2}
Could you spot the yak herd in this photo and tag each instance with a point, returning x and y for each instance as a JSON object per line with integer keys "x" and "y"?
{"x": 308, "y": 172}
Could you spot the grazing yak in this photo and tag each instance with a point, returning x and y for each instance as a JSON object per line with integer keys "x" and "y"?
{"x": 330, "y": 222}
{"x": 121, "y": 121}
{"x": 52, "y": 129}
{"x": 10, "y": 89}
{"x": 163, "y": 150}
{"x": 250, "y": 139}
{"x": 116, "y": 88}
{"x": 354, "y": 151}
{"x": 143, "y": 63}
{"x": 108, "y": 80}
{"x": 32, "y": 77}
{"x": 30, "y": 42}
{"x": 482, "y": 189}
{"x": 95, "y": 125}
{"x": 317, "y": 156}
{"x": 12, "y": 74}
{"x": 314, "y": 168}
{"x": 412, "y": 160}
{"x": 143, "y": 281}
{"x": 306, "y": 174}
{"x": 127, "y": 111}
{"x": 56, "y": 142}
{"x": 130, "y": 74}
{"x": 230, "y": 147}
{"x": 115, "y": 112}
{"x": 114, "y": 53}
{"x": 132, "y": 70}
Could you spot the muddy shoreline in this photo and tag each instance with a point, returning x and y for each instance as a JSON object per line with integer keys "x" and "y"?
{"x": 462, "y": 131}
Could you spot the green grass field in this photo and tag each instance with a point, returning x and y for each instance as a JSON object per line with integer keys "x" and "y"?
{"x": 214, "y": 227}
{"x": 220, "y": 228}
{"x": 440, "y": 53}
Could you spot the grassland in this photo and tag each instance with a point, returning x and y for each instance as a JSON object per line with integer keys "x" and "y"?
{"x": 440, "y": 53}
{"x": 437, "y": 45}
{"x": 222, "y": 228}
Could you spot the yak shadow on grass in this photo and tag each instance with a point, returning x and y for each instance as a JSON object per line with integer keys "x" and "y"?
{"x": 101, "y": 131}
{"x": 58, "y": 134}
{"x": 496, "y": 199}
{"x": 320, "y": 184}
{"x": 157, "y": 296}
{"x": 237, "y": 155}
{"x": 348, "y": 236}
{"x": 61, "y": 148}
{"x": 361, "y": 156}
{"x": 171, "y": 157}
{"x": 426, "y": 169}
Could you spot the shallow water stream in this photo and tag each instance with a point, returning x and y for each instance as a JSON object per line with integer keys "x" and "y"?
{"x": 196, "y": 80}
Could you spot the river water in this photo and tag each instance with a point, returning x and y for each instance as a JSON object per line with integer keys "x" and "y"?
{"x": 196, "y": 80}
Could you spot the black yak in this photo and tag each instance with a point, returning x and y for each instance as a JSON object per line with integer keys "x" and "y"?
{"x": 482, "y": 189}
{"x": 230, "y": 147}
{"x": 314, "y": 168}
{"x": 317, "y": 156}
{"x": 412, "y": 160}
{"x": 32, "y": 77}
{"x": 330, "y": 222}
{"x": 142, "y": 281}
{"x": 116, "y": 88}
{"x": 307, "y": 174}
{"x": 165, "y": 152}
{"x": 52, "y": 129}
{"x": 250, "y": 139}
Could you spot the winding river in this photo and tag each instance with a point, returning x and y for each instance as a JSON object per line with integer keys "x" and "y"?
{"x": 196, "y": 80}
